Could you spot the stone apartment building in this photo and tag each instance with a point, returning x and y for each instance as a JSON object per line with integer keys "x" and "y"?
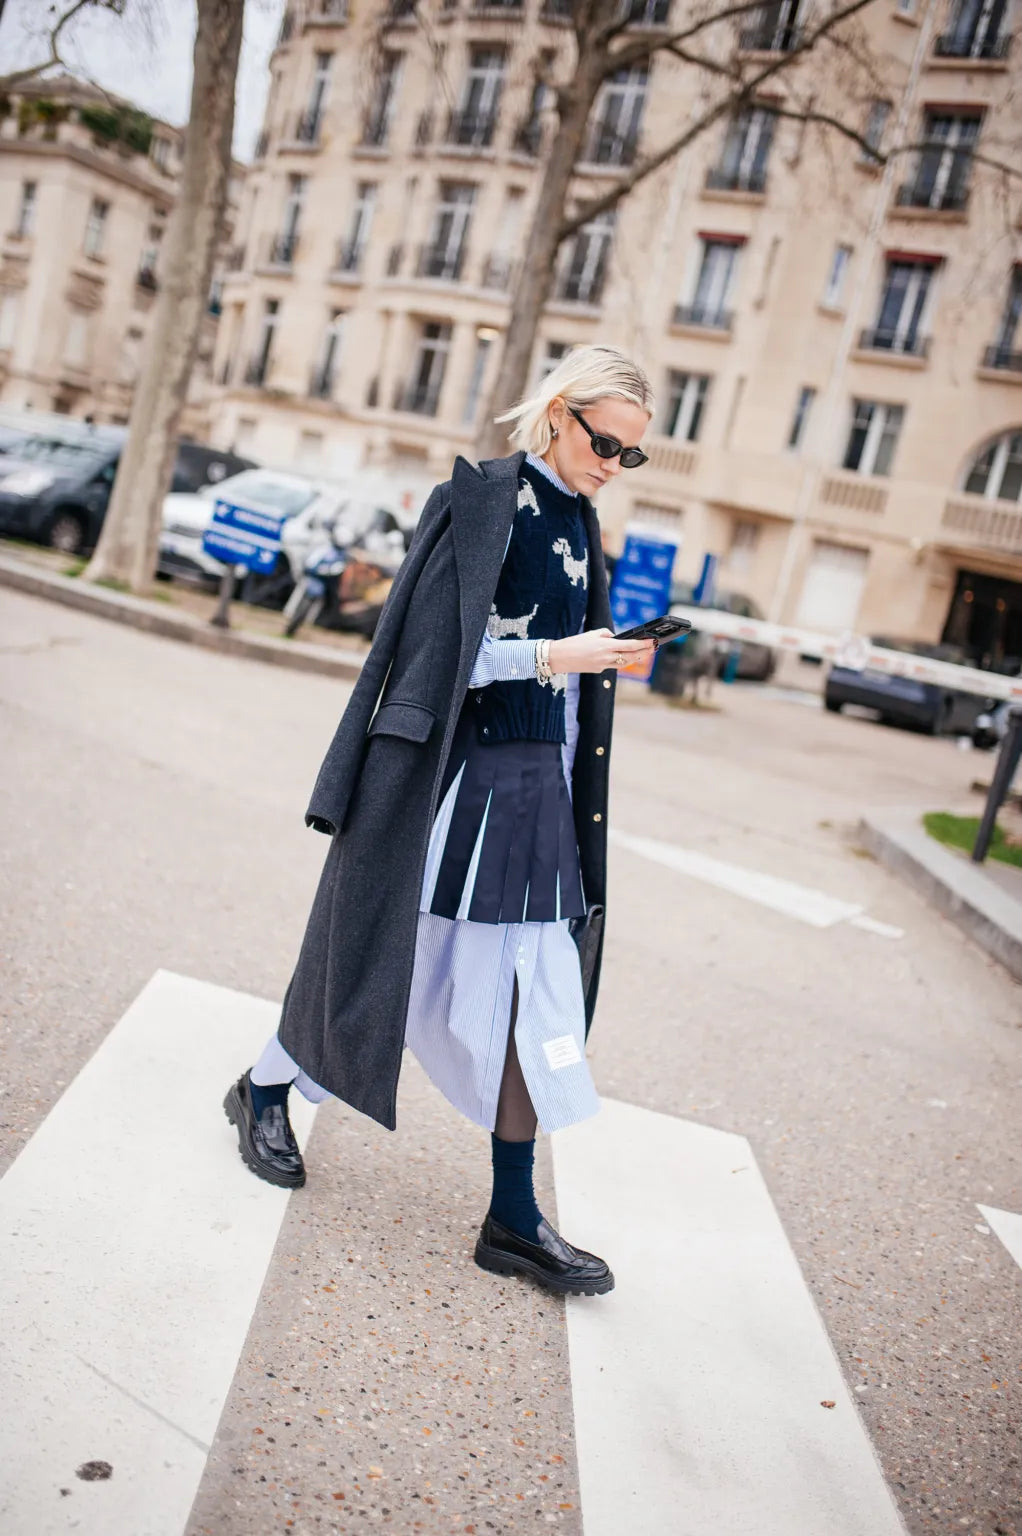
{"x": 87, "y": 185}
{"x": 834, "y": 342}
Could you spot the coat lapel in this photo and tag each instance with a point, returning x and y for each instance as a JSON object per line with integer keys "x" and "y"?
{"x": 483, "y": 503}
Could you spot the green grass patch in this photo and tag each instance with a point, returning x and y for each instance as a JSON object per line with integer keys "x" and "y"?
{"x": 75, "y": 568}
{"x": 960, "y": 832}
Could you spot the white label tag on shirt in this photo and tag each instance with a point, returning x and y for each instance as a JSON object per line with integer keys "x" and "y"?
{"x": 562, "y": 1052}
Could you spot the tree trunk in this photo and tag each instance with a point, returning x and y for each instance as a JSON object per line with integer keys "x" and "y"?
{"x": 536, "y": 276}
{"x": 128, "y": 544}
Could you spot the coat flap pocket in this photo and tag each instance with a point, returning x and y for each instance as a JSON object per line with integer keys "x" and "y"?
{"x": 412, "y": 721}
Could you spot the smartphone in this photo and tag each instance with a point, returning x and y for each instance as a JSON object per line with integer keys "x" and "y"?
{"x": 667, "y": 627}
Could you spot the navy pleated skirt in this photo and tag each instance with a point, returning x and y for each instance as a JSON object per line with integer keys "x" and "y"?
{"x": 510, "y": 854}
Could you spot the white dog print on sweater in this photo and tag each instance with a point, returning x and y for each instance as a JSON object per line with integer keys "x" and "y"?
{"x": 575, "y": 570}
{"x": 508, "y": 629}
{"x": 527, "y": 498}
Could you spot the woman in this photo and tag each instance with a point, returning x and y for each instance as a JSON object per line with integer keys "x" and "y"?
{"x": 460, "y": 909}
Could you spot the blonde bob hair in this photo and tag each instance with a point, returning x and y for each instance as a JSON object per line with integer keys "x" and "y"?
{"x": 583, "y": 376}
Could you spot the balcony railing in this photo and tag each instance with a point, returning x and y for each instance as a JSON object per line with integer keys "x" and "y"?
{"x": 422, "y": 399}
{"x": 528, "y": 138}
{"x": 474, "y": 129}
{"x": 575, "y": 288}
{"x": 952, "y": 47}
{"x": 256, "y": 371}
{"x": 306, "y": 129}
{"x": 395, "y": 256}
{"x": 441, "y": 261}
{"x": 708, "y": 317}
{"x": 424, "y": 129}
{"x": 281, "y": 250}
{"x": 349, "y": 256}
{"x": 503, "y": 7}
{"x": 497, "y": 272}
{"x": 718, "y": 180}
{"x": 951, "y": 200}
{"x": 1003, "y": 358}
{"x": 877, "y": 339}
{"x": 321, "y": 382}
{"x": 608, "y": 147}
{"x": 767, "y": 39}
{"x": 375, "y": 130}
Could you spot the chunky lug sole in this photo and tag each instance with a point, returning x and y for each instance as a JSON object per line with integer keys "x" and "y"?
{"x": 235, "y": 1113}
{"x": 499, "y": 1262}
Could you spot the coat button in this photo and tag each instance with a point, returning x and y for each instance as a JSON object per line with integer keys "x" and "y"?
{"x": 597, "y": 817}
{"x": 486, "y": 730}
{"x": 479, "y": 698}
{"x": 606, "y": 682}
{"x": 600, "y": 751}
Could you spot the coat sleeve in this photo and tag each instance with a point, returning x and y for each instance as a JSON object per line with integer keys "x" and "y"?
{"x": 338, "y": 775}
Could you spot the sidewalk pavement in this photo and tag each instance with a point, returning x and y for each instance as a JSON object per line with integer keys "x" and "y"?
{"x": 159, "y": 618}
{"x": 985, "y": 900}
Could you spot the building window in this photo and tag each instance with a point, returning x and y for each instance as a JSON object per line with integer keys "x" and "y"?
{"x": 553, "y": 351}
{"x": 284, "y": 246}
{"x": 160, "y": 153}
{"x": 710, "y": 302}
{"x": 974, "y": 31}
{"x": 904, "y": 308}
{"x": 997, "y": 472}
{"x": 149, "y": 258}
{"x": 499, "y": 264}
{"x": 311, "y": 119}
{"x": 324, "y": 371}
{"x": 10, "y": 305}
{"x": 686, "y": 401}
{"x": 1002, "y": 353}
{"x": 584, "y": 266}
{"x": 258, "y": 369}
{"x": 376, "y": 127}
{"x": 617, "y": 118}
{"x": 422, "y": 393}
{"x": 485, "y": 337}
{"x": 742, "y": 549}
{"x": 944, "y": 165}
{"x": 25, "y": 226}
{"x": 800, "y": 420}
{"x": 836, "y": 276}
{"x": 743, "y": 160}
{"x": 352, "y": 248}
{"x": 95, "y": 227}
{"x": 873, "y": 132}
{"x": 444, "y": 255}
{"x": 773, "y": 28}
{"x": 474, "y": 121}
{"x": 873, "y": 437}
{"x": 529, "y": 137}
{"x": 76, "y": 339}
{"x": 649, "y": 13}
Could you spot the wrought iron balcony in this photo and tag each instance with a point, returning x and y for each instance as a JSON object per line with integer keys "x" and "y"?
{"x": 951, "y": 46}
{"x": 421, "y": 399}
{"x": 375, "y": 130}
{"x": 256, "y": 371}
{"x": 321, "y": 382}
{"x": 395, "y": 256}
{"x": 349, "y": 256}
{"x": 442, "y": 261}
{"x": 608, "y": 147}
{"x": 307, "y": 127}
{"x": 877, "y": 339}
{"x": 719, "y": 180}
{"x": 914, "y": 195}
{"x": 1003, "y": 358}
{"x": 528, "y": 139}
{"x": 710, "y": 317}
{"x": 282, "y": 250}
{"x": 474, "y": 129}
{"x": 503, "y": 7}
{"x": 498, "y": 271}
{"x": 424, "y": 129}
{"x": 576, "y": 288}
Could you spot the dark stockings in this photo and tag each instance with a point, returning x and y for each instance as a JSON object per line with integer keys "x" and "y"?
{"x": 514, "y": 1203}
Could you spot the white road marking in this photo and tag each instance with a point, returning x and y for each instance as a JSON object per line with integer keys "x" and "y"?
{"x": 698, "y": 1382}
{"x": 872, "y": 925}
{"x": 798, "y": 901}
{"x": 135, "y": 1245}
{"x": 1008, "y": 1227}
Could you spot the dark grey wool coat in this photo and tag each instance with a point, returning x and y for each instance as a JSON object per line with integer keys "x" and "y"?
{"x": 377, "y": 791}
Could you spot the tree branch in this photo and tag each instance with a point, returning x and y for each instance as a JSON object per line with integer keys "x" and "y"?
{"x": 21, "y": 76}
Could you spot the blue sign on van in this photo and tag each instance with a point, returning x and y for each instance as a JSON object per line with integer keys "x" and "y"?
{"x": 641, "y": 588}
{"x": 242, "y": 536}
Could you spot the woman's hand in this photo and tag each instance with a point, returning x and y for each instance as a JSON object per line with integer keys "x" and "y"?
{"x": 597, "y": 650}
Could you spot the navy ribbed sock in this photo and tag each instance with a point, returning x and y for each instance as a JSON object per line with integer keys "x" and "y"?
{"x": 265, "y": 1094}
{"x": 514, "y": 1202}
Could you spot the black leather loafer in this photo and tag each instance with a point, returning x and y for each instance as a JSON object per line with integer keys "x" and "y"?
{"x": 267, "y": 1143}
{"x": 551, "y": 1260}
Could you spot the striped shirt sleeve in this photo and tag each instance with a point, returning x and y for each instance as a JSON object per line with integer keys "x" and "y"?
{"x": 503, "y": 661}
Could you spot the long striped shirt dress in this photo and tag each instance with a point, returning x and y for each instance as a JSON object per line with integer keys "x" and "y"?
{"x": 464, "y": 974}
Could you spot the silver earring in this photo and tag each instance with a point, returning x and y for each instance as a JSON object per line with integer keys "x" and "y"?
{"x": 555, "y": 431}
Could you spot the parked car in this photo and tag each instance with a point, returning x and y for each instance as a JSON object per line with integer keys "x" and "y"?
{"x": 755, "y": 661}
{"x": 55, "y": 487}
{"x": 930, "y": 707}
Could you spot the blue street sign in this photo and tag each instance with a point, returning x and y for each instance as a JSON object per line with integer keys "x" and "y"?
{"x": 243, "y": 536}
{"x": 706, "y": 587}
{"x": 641, "y": 589}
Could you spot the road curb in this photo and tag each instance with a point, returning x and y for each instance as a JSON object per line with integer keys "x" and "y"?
{"x": 951, "y": 883}
{"x": 156, "y": 619}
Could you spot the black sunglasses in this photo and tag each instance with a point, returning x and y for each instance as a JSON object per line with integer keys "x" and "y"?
{"x": 609, "y": 447}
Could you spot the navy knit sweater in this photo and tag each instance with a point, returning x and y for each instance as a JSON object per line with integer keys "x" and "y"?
{"x": 542, "y": 594}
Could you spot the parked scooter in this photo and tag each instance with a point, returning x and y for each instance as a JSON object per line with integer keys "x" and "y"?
{"x": 346, "y": 576}
{"x": 321, "y": 569}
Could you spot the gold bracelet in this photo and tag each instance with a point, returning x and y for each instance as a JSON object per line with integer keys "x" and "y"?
{"x": 544, "y": 671}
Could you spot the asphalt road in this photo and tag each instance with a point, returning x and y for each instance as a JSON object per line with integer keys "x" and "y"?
{"x": 151, "y": 817}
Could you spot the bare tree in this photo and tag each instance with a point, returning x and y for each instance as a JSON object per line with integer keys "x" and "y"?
{"x": 62, "y": 17}
{"x": 708, "y": 44}
{"x": 126, "y": 551}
